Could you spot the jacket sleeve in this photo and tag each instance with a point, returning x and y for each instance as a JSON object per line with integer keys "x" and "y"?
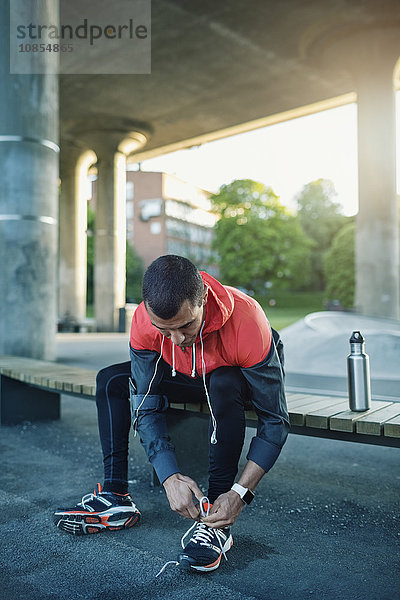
{"x": 266, "y": 382}
{"x": 148, "y": 412}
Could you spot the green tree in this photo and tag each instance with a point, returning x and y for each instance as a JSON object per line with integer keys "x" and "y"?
{"x": 321, "y": 218}
{"x": 134, "y": 275}
{"x": 257, "y": 241}
{"x": 339, "y": 267}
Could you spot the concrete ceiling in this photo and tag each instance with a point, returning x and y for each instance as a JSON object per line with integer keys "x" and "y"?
{"x": 216, "y": 65}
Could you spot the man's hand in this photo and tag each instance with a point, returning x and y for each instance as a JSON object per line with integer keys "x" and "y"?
{"x": 225, "y": 510}
{"x": 180, "y": 490}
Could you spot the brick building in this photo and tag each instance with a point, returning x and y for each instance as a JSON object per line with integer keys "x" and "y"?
{"x": 166, "y": 215}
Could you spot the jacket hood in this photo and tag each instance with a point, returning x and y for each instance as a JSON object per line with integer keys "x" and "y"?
{"x": 220, "y": 303}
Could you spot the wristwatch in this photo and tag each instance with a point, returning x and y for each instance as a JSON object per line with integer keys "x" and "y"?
{"x": 245, "y": 494}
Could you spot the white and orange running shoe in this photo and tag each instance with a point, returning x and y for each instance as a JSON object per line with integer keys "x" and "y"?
{"x": 96, "y": 512}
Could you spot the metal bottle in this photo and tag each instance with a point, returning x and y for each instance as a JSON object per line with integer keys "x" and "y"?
{"x": 358, "y": 374}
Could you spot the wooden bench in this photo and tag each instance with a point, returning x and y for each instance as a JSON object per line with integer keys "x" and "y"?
{"x": 30, "y": 390}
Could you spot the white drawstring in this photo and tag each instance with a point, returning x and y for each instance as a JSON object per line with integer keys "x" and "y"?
{"x": 148, "y": 390}
{"x": 173, "y": 360}
{"x": 194, "y": 360}
{"x": 213, "y": 439}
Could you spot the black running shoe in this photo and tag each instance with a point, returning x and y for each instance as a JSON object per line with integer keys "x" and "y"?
{"x": 100, "y": 511}
{"x": 204, "y": 550}
{"x": 207, "y": 545}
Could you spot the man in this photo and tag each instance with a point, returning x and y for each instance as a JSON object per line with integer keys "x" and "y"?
{"x": 191, "y": 339}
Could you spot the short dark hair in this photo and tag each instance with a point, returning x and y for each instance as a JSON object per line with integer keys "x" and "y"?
{"x": 168, "y": 282}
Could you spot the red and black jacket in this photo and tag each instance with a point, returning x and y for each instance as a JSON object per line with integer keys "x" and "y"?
{"x": 235, "y": 333}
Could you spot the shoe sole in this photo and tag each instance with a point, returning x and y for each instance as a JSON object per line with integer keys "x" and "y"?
{"x": 84, "y": 523}
{"x": 186, "y": 564}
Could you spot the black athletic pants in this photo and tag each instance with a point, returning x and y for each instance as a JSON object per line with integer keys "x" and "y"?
{"x": 228, "y": 391}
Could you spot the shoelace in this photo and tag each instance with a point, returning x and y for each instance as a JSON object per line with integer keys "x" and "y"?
{"x": 89, "y": 497}
{"x": 95, "y": 495}
{"x": 203, "y": 534}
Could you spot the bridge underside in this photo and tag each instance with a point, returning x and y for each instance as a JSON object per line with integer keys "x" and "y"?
{"x": 216, "y": 68}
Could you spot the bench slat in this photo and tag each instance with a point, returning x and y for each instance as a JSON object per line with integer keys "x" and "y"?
{"x": 194, "y": 407}
{"x": 298, "y": 415}
{"x": 373, "y": 424}
{"x": 53, "y": 376}
{"x": 251, "y": 416}
{"x": 308, "y": 400}
{"x": 89, "y": 390}
{"x": 392, "y": 428}
{"x": 177, "y": 405}
{"x": 294, "y": 396}
{"x": 346, "y": 421}
{"x": 320, "y": 418}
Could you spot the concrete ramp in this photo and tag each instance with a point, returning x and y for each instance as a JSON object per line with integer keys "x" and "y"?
{"x": 317, "y": 347}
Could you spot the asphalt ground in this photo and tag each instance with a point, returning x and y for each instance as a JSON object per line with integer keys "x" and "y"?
{"x": 324, "y": 523}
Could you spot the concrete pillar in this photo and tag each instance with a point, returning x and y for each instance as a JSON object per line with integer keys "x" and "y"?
{"x": 369, "y": 54}
{"x": 377, "y": 233}
{"x": 111, "y": 146}
{"x": 28, "y": 201}
{"x": 110, "y": 240}
{"x": 74, "y": 166}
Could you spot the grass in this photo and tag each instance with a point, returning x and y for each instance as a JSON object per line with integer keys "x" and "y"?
{"x": 283, "y": 317}
{"x": 291, "y": 307}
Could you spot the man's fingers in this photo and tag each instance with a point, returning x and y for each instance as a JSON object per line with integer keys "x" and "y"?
{"x": 212, "y": 518}
{"x": 217, "y": 523}
{"x": 187, "y": 509}
{"x": 192, "y": 485}
{"x": 194, "y": 488}
{"x": 218, "y": 519}
{"x": 193, "y": 512}
{"x": 189, "y": 512}
{"x": 214, "y": 508}
{"x": 180, "y": 490}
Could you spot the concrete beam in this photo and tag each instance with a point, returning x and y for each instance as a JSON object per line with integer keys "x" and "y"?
{"x": 279, "y": 117}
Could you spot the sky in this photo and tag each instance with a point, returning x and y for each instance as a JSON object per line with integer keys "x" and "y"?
{"x": 285, "y": 157}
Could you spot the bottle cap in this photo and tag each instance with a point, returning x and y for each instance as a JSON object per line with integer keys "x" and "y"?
{"x": 356, "y": 338}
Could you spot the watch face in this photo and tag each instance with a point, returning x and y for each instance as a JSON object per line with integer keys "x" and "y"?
{"x": 248, "y": 497}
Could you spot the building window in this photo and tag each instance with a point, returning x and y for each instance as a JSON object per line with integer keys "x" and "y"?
{"x": 130, "y": 190}
{"x": 129, "y": 210}
{"x": 187, "y": 231}
{"x": 155, "y": 227}
{"x": 150, "y": 208}
{"x": 184, "y": 212}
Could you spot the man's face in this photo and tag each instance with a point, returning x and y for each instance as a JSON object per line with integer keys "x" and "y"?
{"x": 184, "y": 327}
